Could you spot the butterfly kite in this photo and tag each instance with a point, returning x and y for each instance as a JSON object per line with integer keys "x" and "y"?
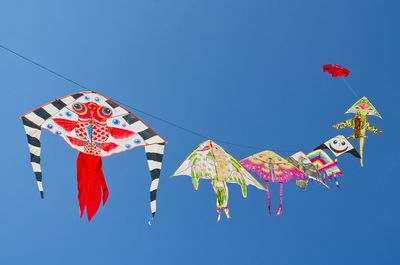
{"x": 362, "y": 109}
{"x": 304, "y": 164}
{"x": 335, "y": 70}
{"x": 211, "y": 161}
{"x": 272, "y": 168}
{"x": 97, "y": 127}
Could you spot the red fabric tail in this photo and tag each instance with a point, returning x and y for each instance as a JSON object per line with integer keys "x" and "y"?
{"x": 92, "y": 186}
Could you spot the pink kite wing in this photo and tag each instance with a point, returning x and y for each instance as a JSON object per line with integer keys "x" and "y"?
{"x": 272, "y": 168}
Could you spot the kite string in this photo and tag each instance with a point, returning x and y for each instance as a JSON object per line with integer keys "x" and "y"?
{"x": 350, "y": 88}
{"x": 193, "y": 132}
{"x": 43, "y": 67}
{"x": 133, "y": 108}
{"x": 162, "y": 120}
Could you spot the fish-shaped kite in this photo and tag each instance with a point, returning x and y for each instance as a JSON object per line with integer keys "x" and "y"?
{"x": 362, "y": 109}
{"x": 335, "y": 70}
{"x": 325, "y": 165}
{"x": 303, "y": 163}
{"x": 272, "y": 168}
{"x": 211, "y": 161}
{"x": 97, "y": 127}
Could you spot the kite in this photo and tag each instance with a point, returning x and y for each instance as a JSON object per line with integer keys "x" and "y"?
{"x": 362, "y": 108}
{"x": 335, "y": 70}
{"x": 325, "y": 165}
{"x": 211, "y": 161}
{"x": 97, "y": 127}
{"x": 272, "y": 168}
{"x": 339, "y": 145}
{"x": 303, "y": 163}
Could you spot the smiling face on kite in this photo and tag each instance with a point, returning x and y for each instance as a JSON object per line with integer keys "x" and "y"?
{"x": 364, "y": 107}
{"x": 339, "y": 144}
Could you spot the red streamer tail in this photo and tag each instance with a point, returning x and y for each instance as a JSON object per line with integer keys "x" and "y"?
{"x": 92, "y": 187}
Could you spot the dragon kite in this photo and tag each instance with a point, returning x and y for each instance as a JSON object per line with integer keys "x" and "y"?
{"x": 362, "y": 109}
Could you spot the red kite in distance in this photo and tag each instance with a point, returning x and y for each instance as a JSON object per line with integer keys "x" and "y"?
{"x": 335, "y": 70}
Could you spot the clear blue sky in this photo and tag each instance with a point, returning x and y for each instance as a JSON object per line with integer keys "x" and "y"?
{"x": 243, "y": 71}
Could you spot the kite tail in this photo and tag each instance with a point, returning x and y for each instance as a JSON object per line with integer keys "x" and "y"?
{"x": 227, "y": 213}
{"x": 268, "y": 197}
{"x": 219, "y": 214}
{"x": 279, "y": 210}
{"x": 92, "y": 187}
{"x": 337, "y": 182}
{"x": 362, "y": 140}
{"x": 226, "y": 210}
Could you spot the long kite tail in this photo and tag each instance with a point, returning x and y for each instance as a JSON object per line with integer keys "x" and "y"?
{"x": 362, "y": 140}
{"x": 279, "y": 210}
{"x": 92, "y": 187}
{"x": 268, "y": 197}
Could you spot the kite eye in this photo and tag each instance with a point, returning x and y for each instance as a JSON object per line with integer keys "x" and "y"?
{"x": 343, "y": 143}
{"x": 79, "y": 108}
{"x": 335, "y": 142}
{"x": 105, "y": 112}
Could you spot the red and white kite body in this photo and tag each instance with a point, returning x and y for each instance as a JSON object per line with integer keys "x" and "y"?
{"x": 97, "y": 127}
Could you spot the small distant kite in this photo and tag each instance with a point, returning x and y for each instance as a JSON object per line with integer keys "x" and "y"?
{"x": 362, "y": 109}
{"x": 335, "y": 70}
{"x": 303, "y": 163}
{"x": 211, "y": 161}
{"x": 272, "y": 168}
{"x": 97, "y": 127}
{"x": 325, "y": 165}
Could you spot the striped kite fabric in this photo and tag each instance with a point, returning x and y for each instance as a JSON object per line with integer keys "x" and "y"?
{"x": 322, "y": 161}
{"x": 61, "y": 118}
